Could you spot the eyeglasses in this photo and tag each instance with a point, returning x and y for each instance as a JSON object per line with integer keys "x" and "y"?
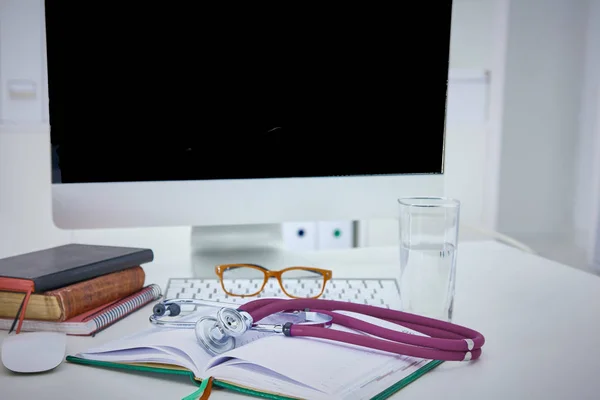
{"x": 246, "y": 280}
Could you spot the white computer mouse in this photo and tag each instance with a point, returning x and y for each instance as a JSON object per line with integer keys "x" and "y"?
{"x": 30, "y": 352}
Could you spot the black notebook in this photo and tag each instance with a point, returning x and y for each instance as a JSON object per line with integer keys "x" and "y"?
{"x": 60, "y": 266}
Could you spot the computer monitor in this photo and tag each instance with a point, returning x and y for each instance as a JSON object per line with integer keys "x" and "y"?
{"x": 171, "y": 115}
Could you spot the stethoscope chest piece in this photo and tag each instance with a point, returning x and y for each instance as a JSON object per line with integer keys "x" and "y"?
{"x": 217, "y": 334}
{"x": 211, "y": 336}
{"x": 233, "y": 322}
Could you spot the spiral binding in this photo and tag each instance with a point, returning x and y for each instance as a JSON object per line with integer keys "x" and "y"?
{"x": 148, "y": 294}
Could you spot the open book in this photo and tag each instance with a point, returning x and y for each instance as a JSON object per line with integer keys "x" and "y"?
{"x": 265, "y": 363}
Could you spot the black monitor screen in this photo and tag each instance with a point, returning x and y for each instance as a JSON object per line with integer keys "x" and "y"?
{"x": 156, "y": 91}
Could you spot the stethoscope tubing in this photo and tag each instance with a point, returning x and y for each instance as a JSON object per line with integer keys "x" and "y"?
{"x": 447, "y": 341}
{"x": 389, "y": 334}
{"x": 384, "y": 345}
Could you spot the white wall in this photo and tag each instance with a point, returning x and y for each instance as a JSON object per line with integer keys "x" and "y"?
{"x": 21, "y": 30}
{"x": 25, "y": 207}
{"x": 542, "y": 98}
{"x": 472, "y": 38}
{"x": 587, "y": 174}
{"x": 25, "y": 197}
{"x": 592, "y": 247}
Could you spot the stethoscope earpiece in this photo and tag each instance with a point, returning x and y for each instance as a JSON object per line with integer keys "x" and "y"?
{"x": 171, "y": 309}
{"x": 159, "y": 309}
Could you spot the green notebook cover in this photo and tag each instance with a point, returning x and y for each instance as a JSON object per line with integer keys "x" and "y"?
{"x": 241, "y": 389}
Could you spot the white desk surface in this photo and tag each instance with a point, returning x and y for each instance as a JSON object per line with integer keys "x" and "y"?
{"x": 541, "y": 321}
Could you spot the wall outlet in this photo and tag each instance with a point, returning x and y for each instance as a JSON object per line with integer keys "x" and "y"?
{"x": 300, "y": 236}
{"x": 335, "y": 235}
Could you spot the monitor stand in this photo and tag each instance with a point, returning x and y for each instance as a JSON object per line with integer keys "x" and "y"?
{"x": 255, "y": 244}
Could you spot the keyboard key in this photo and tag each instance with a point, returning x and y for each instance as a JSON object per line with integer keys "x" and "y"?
{"x": 180, "y": 284}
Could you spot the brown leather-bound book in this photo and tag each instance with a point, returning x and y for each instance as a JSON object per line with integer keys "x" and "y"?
{"x": 72, "y": 300}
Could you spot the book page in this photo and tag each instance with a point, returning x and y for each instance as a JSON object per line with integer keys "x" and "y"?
{"x": 247, "y": 375}
{"x": 175, "y": 346}
{"x": 333, "y": 368}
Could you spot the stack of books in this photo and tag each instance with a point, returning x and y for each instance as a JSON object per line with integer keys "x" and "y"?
{"x": 77, "y": 289}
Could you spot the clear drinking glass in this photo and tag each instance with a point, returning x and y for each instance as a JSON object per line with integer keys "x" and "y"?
{"x": 428, "y": 245}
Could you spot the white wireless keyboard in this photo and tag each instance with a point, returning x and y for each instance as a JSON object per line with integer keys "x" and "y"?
{"x": 376, "y": 292}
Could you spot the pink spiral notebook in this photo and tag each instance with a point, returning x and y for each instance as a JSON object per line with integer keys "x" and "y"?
{"x": 93, "y": 321}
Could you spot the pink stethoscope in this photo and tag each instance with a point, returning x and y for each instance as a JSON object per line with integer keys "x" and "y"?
{"x": 311, "y": 317}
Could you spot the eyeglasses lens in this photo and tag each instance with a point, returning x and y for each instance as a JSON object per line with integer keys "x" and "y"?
{"x": 243, "y": 281}
{"x": 302, "y": 283}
